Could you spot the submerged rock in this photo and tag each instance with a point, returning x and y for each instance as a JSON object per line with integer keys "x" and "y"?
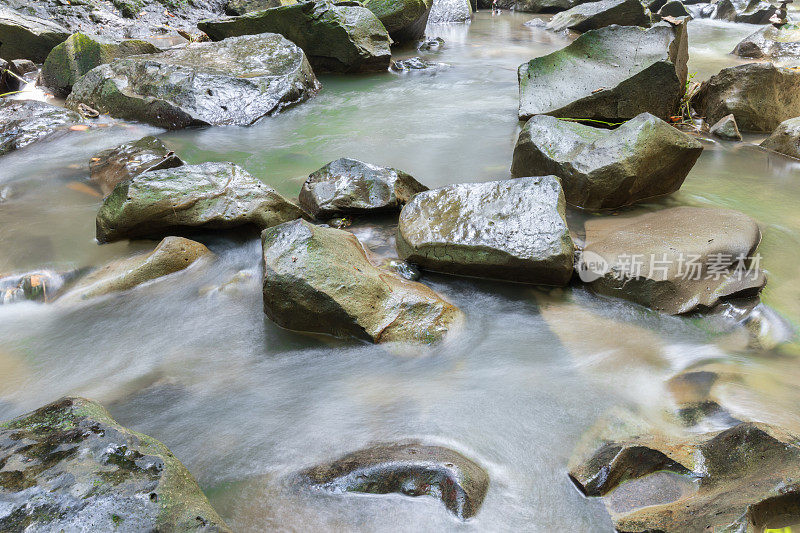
{"x": 172, "y": 254}
{"x": 594, "y": 15}
{"x": 110, "y": 167}
{"x": 405, "y": 20}
{"x": 350, "y": 187}
{"x": 205, "y": 196}
{"x": 69, "y": 466}
{"x": 726, "y": 128}
{"x": 606, "y": 169}
{"x": 37, "y": 286}
{"x": 23, "y": 122}
{"x": 319, "y": 280}
{"x": 431, "y": 45}
{"x": 746, "y": 11}
{"x": 417, "y": 64}
{"x": 611, "y": 74}
{"x": 28, "y": 37}
{"x": 512, "y": 230}
{"x": 339, "y": 37}
{"x": 243, "y": 7}
{"x": 443, "y": 11}
{"x": 412, "y": 469}
{"x": 786, "y": 138}
{"x": 759, "y": 95}
{"x": 79, "y": 54}
{"x": 676, "y": 260}
{"x": 232, "y": 82}
{"x": 769, "y": 42}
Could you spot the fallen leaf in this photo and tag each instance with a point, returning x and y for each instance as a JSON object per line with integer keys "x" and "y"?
{"x": 79, "y": 127}
{"x": 83, "y": 188}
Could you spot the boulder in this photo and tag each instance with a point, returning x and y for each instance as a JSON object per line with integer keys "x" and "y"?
{"x": 786, "y": 138}
{"x": 232, "y": 82}
{"x": 594, "y": 15}
{"x": 607, "y": 169}
{"x": 610, "y": 74}
{"x": 769, "y": 42}
{"x": 35, "y": 286}
{"x": 677, "y": 260}
{"x": 726, "y": 128}
{"x": 443, "y": 11}
{"x": 534, "y": 6}
{"x": 243, "y": 7}
{"x": 417, "y": 65}
{"x": 343, "y": 37}
{"x": 25, "y": 121}
{"x": 79, "y": 54}
{"x": 412, "y": 469}
{"x": 205, "y": 196}
{"x": 746, "y": 11}
{"x": 69, "y": 466}
{"x": 110, "y": 167}
{"x": 405, "y": 20}
{"x": 24, "y": 66}
{"x": 759, "y": 95}
{"x": 28, "y": 37}
{"x": 512, "y": 230}
{"x": 673, "y": 8}
{"x": 319, "y": 280}
{"x": 172, "y": 254}
{"x": 350, "y": 187}
{"x": 9, "y": 77}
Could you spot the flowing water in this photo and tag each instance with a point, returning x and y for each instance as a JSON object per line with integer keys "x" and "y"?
{"x": 192, "y": 360}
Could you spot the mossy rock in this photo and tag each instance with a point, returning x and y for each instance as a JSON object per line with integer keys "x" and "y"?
{"x": 243, "y": 7}
{"x": 28, "y": 37}
{"x": 405, "y": 20}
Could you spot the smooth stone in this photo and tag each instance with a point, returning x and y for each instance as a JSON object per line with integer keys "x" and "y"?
{"x": 673, "y": 8}
{"x": 79, "y": 54}
{"x": 512, "y": 230}
{"x": 610, "y": 74}
{"x": 232, "y": 82}
{"x": 748, "y": 92}
{"x": 172, "y": 254}
{"x": 744, "y": 11}
{"x": 318, "y": 279}
{"x": 449, "y": 11}
{"x": 243, "y": 7}
{"x": 411, "y": 469}
{"x": 606, "y": 169}
{"x": 786, "y": 138}
{"x": 69, "y": 466}
{"x": 336, "y": 37}
{"x": 594, "y": 15}
{"x": 666, "y": 245}
{"x": 190, "y": 197}
{"x": 771, "y": 43}
{"x": 23, "y": 122}
{"x": 726, "y": 128}
{"x": 28, "y": 37}
{"x": 405, "y": 20}
{"x": 350, "y": 187}
{"x": 110, "y": 167}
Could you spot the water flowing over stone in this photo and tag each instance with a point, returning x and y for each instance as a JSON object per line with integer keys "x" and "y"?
{"x": 128, "y": 160}
{"x": 771, "y": 43}
{"x": 444, "y": 11}
{"x": 23, "y": 122}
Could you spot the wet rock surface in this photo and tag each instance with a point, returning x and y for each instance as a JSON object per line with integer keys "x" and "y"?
{"x": 28, "y": 37}
{"x": 23, "y": 122}
{"x": 511, "y": 230}
{"x": 338, "y": 37}
{"x": 781, "y": 43}
{"x": 232, "y": 82}
{"x": 676, "y": 260}
{"x": 785, "y": 139}
{"x": 351, "y": 187}
{"x": 37, "y": 286}
{"x": 405, "y": 20}
{"x": 243, "y": 7}
{"x": 445, "y": 11}
{"x": 69, "y": 464}
{"x": 319, "y": 280}
{"x": 745, "y": 11}
{"x": 110, "y": 167}
{"x": 412, "y": 469}
{"x": 533, "y": 6}
{"x": 673, "y": 8}
{"x": 417, "y": 64}
{"x": 726, "y": 128}
{"x": 610, "y": 74}
{"x": 759, "y": 95}
{"x": 606, "y": 169}
{"x": 594, "y": 15}
{"x": 205, "y": 196}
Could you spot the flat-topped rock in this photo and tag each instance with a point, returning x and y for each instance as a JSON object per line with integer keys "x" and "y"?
{"x": 28, "y": 37}
{"x": 785, "y": 139}
{"x": 594, "y": 15}
{"x": 512, "y": 230}
{"x": 123, "y": 162}
{"x": 23, "y": 122}
{"x": 769, "y": 42}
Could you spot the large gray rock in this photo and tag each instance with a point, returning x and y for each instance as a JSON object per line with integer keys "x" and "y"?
{"x": 232, "y": 82}
{"x": 121, "y": 163}
{"x": 444, "y": 11}
{"x": 606, "y": 169}
{"x": 759, "y": 95}
{"x": 512, "y": 230}
{"x": 676, "y": 260}
{"x": 610, "y": 74}
{"x": 341, "y": 37}
{"x": 205, "y": 196}
{"x": 28, "y": 37}
{"x": 243, "y": 7}
{"x": 405, "y": 20}
{"x": 25, "y": 121}
{"x": 771, "y": 43}
{"x": 532, "y": 6}
{"x": 726, "y": 128}
{"x": 318, "y": 279}
{"x": 350, "y": 187}
{"x": 412, "y": 469}
{"x": 594, "y": 15}
{"x": 746, "y": 11}
{"x": 69, "y": 466}
{"x": 786, "y": 138}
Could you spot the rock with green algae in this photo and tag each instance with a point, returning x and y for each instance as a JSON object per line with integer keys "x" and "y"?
{"x": 770, "y": 42}
{"x": 28, "y": 37}
{"x": 172, "y": 254}
{"x": 79, "y": 54}
{"x": 236, "y": 81}
{"x": 593, "y": 15}
{"x": 405, "y": 20}
{"x": 318, "y": 279}
{"x": 243, "y": 7}
{"x": 205, "y": 196}
{"x": 23, "y": 122}
{"x": 336, "y": 37}
{"x": 123, "y": 162}
{"x": 69, "y": 465}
